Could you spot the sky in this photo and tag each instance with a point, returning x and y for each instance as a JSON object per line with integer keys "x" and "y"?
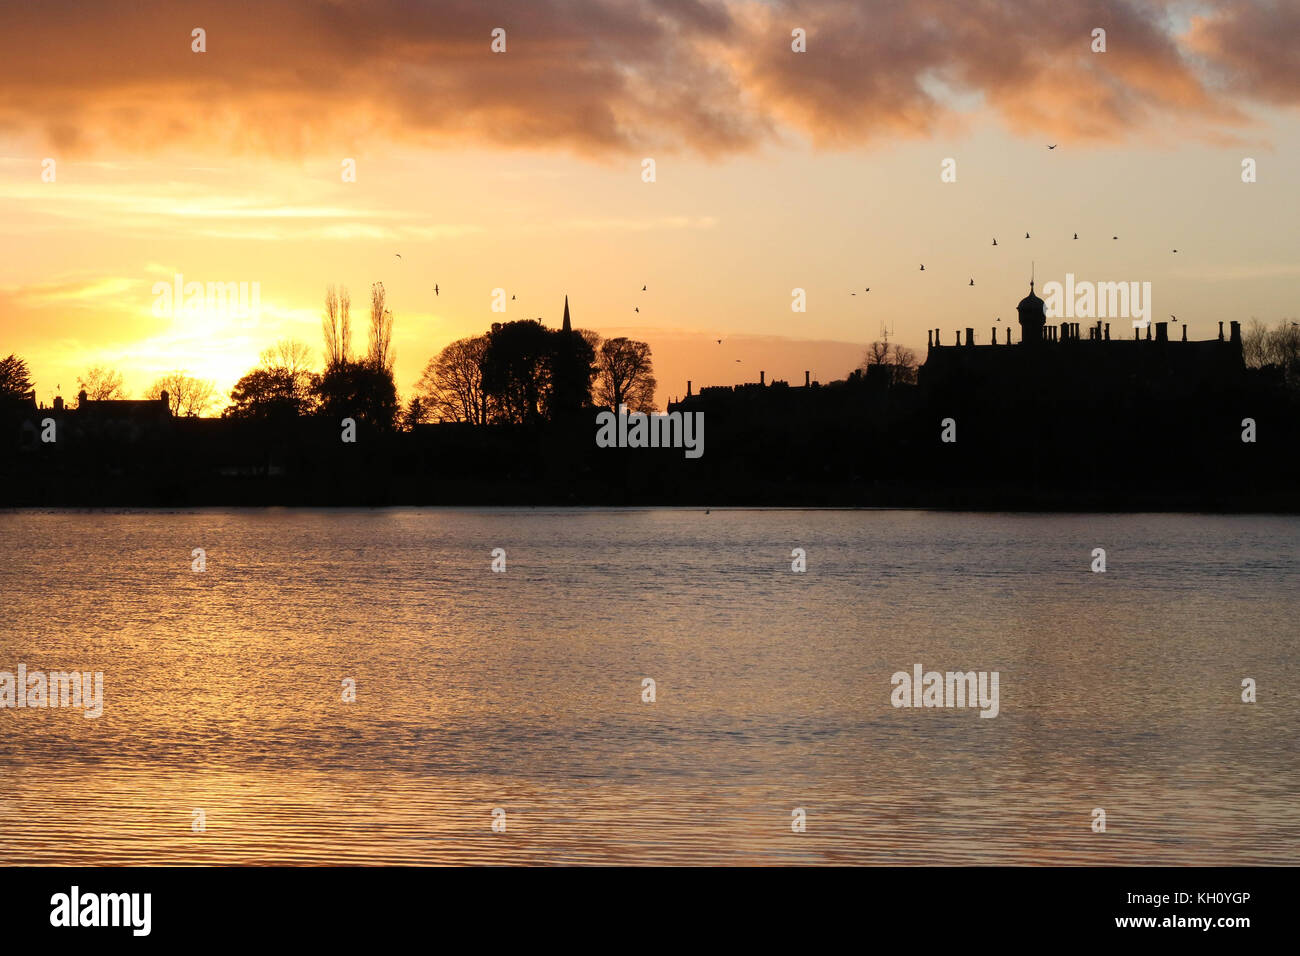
{"x": 523, "y": 170}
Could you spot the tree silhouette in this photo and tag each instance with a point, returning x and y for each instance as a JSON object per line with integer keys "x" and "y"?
{"x": 336, "y": 323}
{"x": 15, "y": 379}
{"x": 283, "y": 387}
{"x": 625, "y": 375}
{"x": 451, "y": 388}
{"x": 186, "y": 396}
{"x": 517, "y": 370}
{"x": 101, "y": 384}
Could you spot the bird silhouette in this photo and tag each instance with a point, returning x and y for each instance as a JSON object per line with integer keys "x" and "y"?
{"x": 1114, "y": 237}
{"x": 868, "y": 288}
{"x": 1053, "y": 146}
{"x": 923, "y": 267}
{"x": 636, "y": 310}
{"x": 1172, "y": 316}
{"x": 1026, "y": 235}
{"x": 643, "y": 288}
{"x": 398, "y": 254}
{"x": 995, "y": 242}
{"x": 972, "y": 281}
{"x": 1076, "y": 235}
{"x": 512, "y": 298}
{"x": 737, "y": 360}
{"x": 999, "y": 318}
{"x": 719, "y": 341}
{"x": 1175, "y": 250}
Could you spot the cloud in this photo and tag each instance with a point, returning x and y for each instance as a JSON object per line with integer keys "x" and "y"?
{"x": 607, "y": 78}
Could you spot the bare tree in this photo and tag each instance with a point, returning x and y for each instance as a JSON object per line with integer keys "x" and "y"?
{"x": 625, "y": 375}
{"x": 337, "y": 324}
{"x": 897, "y": 363}
{"x": 1262, "y": 347}
{"x": 101, "y": 384}
{"x": 381, "y": 331}
{"x": 451, "y": 388}
{"x": 186, "y": 396}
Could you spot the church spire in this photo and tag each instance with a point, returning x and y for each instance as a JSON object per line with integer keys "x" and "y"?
{"x": 567, "y": 327}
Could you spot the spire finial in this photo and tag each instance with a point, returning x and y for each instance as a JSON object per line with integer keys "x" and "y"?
{"x": 567, "y": 326}
{"x": 1031, "y": 275}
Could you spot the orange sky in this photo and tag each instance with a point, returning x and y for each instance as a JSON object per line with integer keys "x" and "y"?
{"x": 522, "y": 171}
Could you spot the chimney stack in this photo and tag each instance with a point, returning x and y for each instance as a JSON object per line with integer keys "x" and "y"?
{"x": 807, "y": 378}
{"x": 1220, "y": 331}
{"x": 1107, "y": 331}
{"x": 762, "y": 378}
{"x": 1235, "y": 335}
{"x": 1184, "y": 331}
{"x": 970, "y": 336}
{"x": 688, "y": 388}
{"x": 929, "y": 338}
{"x": 1162, "y": 331}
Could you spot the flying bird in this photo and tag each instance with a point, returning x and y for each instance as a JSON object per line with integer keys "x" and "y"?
{"x": 1172, "y": 316}
{"x": 923, "y": 267}
{"x": 1076, "y": 235}
{"x": 398, "y": 254}
{"x": 719, "y": 341}
{"x": 972, "y": 281}
{"x": 999, "y": 318}
{"x": 1026, "y": 235}
{"x": 1175, "y": 250}
{"x": 636, "y": 310}
{"x": 995, "y": 242}
{"x": 1114, "y": 237}
{"x": 435, "y": 290}
{"x": 643, "y": 288}
{"x": 512, "y": 298}
{"x": 1053, "y": 146}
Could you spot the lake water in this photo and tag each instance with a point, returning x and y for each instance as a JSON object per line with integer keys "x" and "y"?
{"x": 522, "y": 690}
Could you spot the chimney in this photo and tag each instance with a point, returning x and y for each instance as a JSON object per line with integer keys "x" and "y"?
{"x": 993, "y": 331}
{"x": 959, "y": 336}
{"x": 688, "y": 388}
{"x": 1235, "y": 335}
{"x": 970, "y": 336}
{"x": 1220, "y": 331}
{"x": 1107, "y": 331}
{"x": 1184, "y": 331}
{"x": 807, "y": 378}
{"x": 936, "y": 336}
{"x": 58, "y": 403}
{"x": 1162, "y": 331}
{"x": 762, "y": 378}
{"x": 1137, "y": 332}
{"x": 1148, "y": 330}
{"x": 929, "y": 338}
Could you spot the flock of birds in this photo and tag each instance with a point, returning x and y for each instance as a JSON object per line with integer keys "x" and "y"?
{"x": 995, "y": 242}
{"x": 637, "y": 309}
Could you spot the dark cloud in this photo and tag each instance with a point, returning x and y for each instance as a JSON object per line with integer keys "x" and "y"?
{"x": 621, "y": 77}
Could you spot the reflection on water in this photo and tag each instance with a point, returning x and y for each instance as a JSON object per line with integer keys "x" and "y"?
{"x": 522, "y": 690}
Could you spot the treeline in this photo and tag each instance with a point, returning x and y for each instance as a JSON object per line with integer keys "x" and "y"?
{"x": 517, "y": 373}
